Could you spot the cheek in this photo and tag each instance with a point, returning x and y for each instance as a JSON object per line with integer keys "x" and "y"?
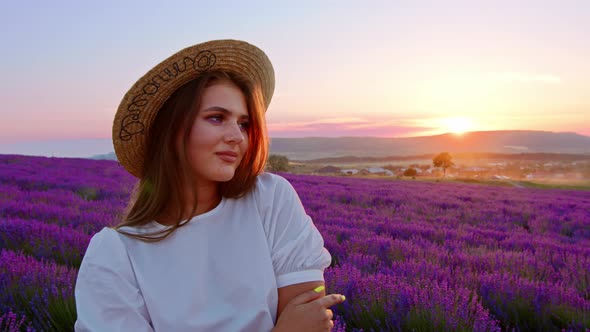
{"x": 196, "y": 148}
{"x": 201, "y": 136}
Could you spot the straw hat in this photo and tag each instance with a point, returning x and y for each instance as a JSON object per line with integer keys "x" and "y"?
{"x": 142, "y": 102}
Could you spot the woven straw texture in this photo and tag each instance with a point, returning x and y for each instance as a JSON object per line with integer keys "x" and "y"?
{"x": 141, "y": 103}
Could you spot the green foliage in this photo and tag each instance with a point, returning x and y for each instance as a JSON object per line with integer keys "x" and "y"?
{"x": 278, "y": 163}
{"x": 563, "y": 316}
{"x": 421, "y": 320}
{"x": 526, "y": 315}
{"x": 410, "y": 172}
{"x": 566, "y": 230}
{"x": 87, "y": 193}
{"x": 59, "y": 314}
{"x": 372, "y": 318}
{"x": 23, "y": 298}
{"x": 335, "y": 261}
{"x": 62, "y": 313}
{"x": 529, "y": 184}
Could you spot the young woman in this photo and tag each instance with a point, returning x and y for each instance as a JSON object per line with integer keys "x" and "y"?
{"x": 209, "y": 241}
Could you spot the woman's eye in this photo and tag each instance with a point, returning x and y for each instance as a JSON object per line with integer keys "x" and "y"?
{"x": 244, "y": 125}
{"x": 215, "y": 118}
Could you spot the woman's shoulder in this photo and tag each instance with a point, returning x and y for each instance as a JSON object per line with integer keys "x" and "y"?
{"x": 104, "y": 235}
{"x": 270, "y": 182}
{"x": 104, "y": 247}
{"x": 272, "y": 191}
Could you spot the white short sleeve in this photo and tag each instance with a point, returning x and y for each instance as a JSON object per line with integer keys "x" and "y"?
{"x": 296, "y": 245}
{"x": 106, "y": 293}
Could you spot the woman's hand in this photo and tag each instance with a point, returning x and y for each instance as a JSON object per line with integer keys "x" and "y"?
{"x": 308, "y": 312}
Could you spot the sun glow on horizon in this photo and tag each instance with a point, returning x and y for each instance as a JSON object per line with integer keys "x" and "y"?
{"x": 458, "y": 125}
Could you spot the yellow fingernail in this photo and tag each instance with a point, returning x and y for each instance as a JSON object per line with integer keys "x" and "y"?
{"x": 319, "y": 289}
{"x": 343, "y": 297}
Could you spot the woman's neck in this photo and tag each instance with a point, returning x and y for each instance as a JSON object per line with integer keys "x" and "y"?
{"x": 208, "y": 198}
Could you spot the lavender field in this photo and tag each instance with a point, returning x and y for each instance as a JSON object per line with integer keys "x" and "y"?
{"x": 407, "y": 255}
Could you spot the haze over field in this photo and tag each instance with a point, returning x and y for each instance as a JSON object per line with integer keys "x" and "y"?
{"x": 325, "y": 147}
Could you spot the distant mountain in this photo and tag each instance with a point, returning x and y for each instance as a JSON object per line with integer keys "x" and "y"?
{"x": 63, "y": 148}
{"x": 513, "y": 141}
{"x": 109, "y": 156}
{"x": 463, "y": 156}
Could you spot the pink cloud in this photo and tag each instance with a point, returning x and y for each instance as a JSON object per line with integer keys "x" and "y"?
{"x": 344, "y": 127}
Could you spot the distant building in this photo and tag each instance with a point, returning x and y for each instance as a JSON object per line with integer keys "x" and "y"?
{"x": 351, "y": 171}
{"x": 376, "y": 171}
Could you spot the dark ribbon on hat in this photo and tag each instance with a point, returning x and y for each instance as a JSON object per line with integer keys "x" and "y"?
{"x": 131, "y": 124}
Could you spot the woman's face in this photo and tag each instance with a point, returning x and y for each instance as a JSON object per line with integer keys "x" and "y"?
{"x": 219, "y": 136}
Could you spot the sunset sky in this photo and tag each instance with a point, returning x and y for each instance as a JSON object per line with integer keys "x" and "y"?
{"x": 343, "y": 68}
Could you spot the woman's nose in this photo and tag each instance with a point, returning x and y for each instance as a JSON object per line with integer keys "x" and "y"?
{"x": 234, "y": 134}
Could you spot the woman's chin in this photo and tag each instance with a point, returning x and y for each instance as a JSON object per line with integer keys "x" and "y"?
{"x": 225, "y": 176}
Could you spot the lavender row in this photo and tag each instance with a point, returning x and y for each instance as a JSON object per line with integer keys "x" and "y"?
{"x": 80, "y": 194}
{"x": 512, "y": 252}
{"x": 44, "y": 241}
{"x": 388, "y": 302}
{"x": 451, "y": 205}
{"x": 91, "y": 179}
{"x": 38, "y": 289}
{"x": 74, "y": 217}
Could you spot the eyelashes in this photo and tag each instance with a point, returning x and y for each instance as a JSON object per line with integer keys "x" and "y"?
{"x": 215, "y": 118}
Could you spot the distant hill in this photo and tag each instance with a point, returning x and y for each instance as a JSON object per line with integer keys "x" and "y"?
{"x": 65, "y": 148}
{"x": 463, "y": 156}
{"x": 505, "y": 142}
{"x": 110, "y": 156}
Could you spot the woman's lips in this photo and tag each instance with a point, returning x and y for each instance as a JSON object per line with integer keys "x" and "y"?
{"x": 229, "y": 157}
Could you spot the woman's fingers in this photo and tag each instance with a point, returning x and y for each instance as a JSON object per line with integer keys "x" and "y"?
{"x": 329, "y": 300}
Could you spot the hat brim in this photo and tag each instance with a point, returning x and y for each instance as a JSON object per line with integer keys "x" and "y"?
{"x": 141, "y": 103}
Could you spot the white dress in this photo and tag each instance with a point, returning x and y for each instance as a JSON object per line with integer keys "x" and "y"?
{"x": 220, "y": 272}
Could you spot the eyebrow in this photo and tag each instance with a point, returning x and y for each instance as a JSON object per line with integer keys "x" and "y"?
{"x": 224, "y": 111}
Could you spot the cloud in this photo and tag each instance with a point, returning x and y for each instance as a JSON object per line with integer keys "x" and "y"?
{"x": 525, "y": 77}
{"x": 335, "y": 127}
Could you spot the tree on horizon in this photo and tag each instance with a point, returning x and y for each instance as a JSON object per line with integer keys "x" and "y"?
{"x": 278, "y": 163}
{"x": 443, "y": 160}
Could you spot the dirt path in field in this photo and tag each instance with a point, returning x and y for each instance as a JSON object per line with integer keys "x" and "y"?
{"x": 517, "y": 185}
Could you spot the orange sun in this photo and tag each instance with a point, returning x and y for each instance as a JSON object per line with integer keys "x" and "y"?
{"x": 457, "y": 125}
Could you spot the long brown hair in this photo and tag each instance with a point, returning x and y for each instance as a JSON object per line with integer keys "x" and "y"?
{"x": 166, "y": 170}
